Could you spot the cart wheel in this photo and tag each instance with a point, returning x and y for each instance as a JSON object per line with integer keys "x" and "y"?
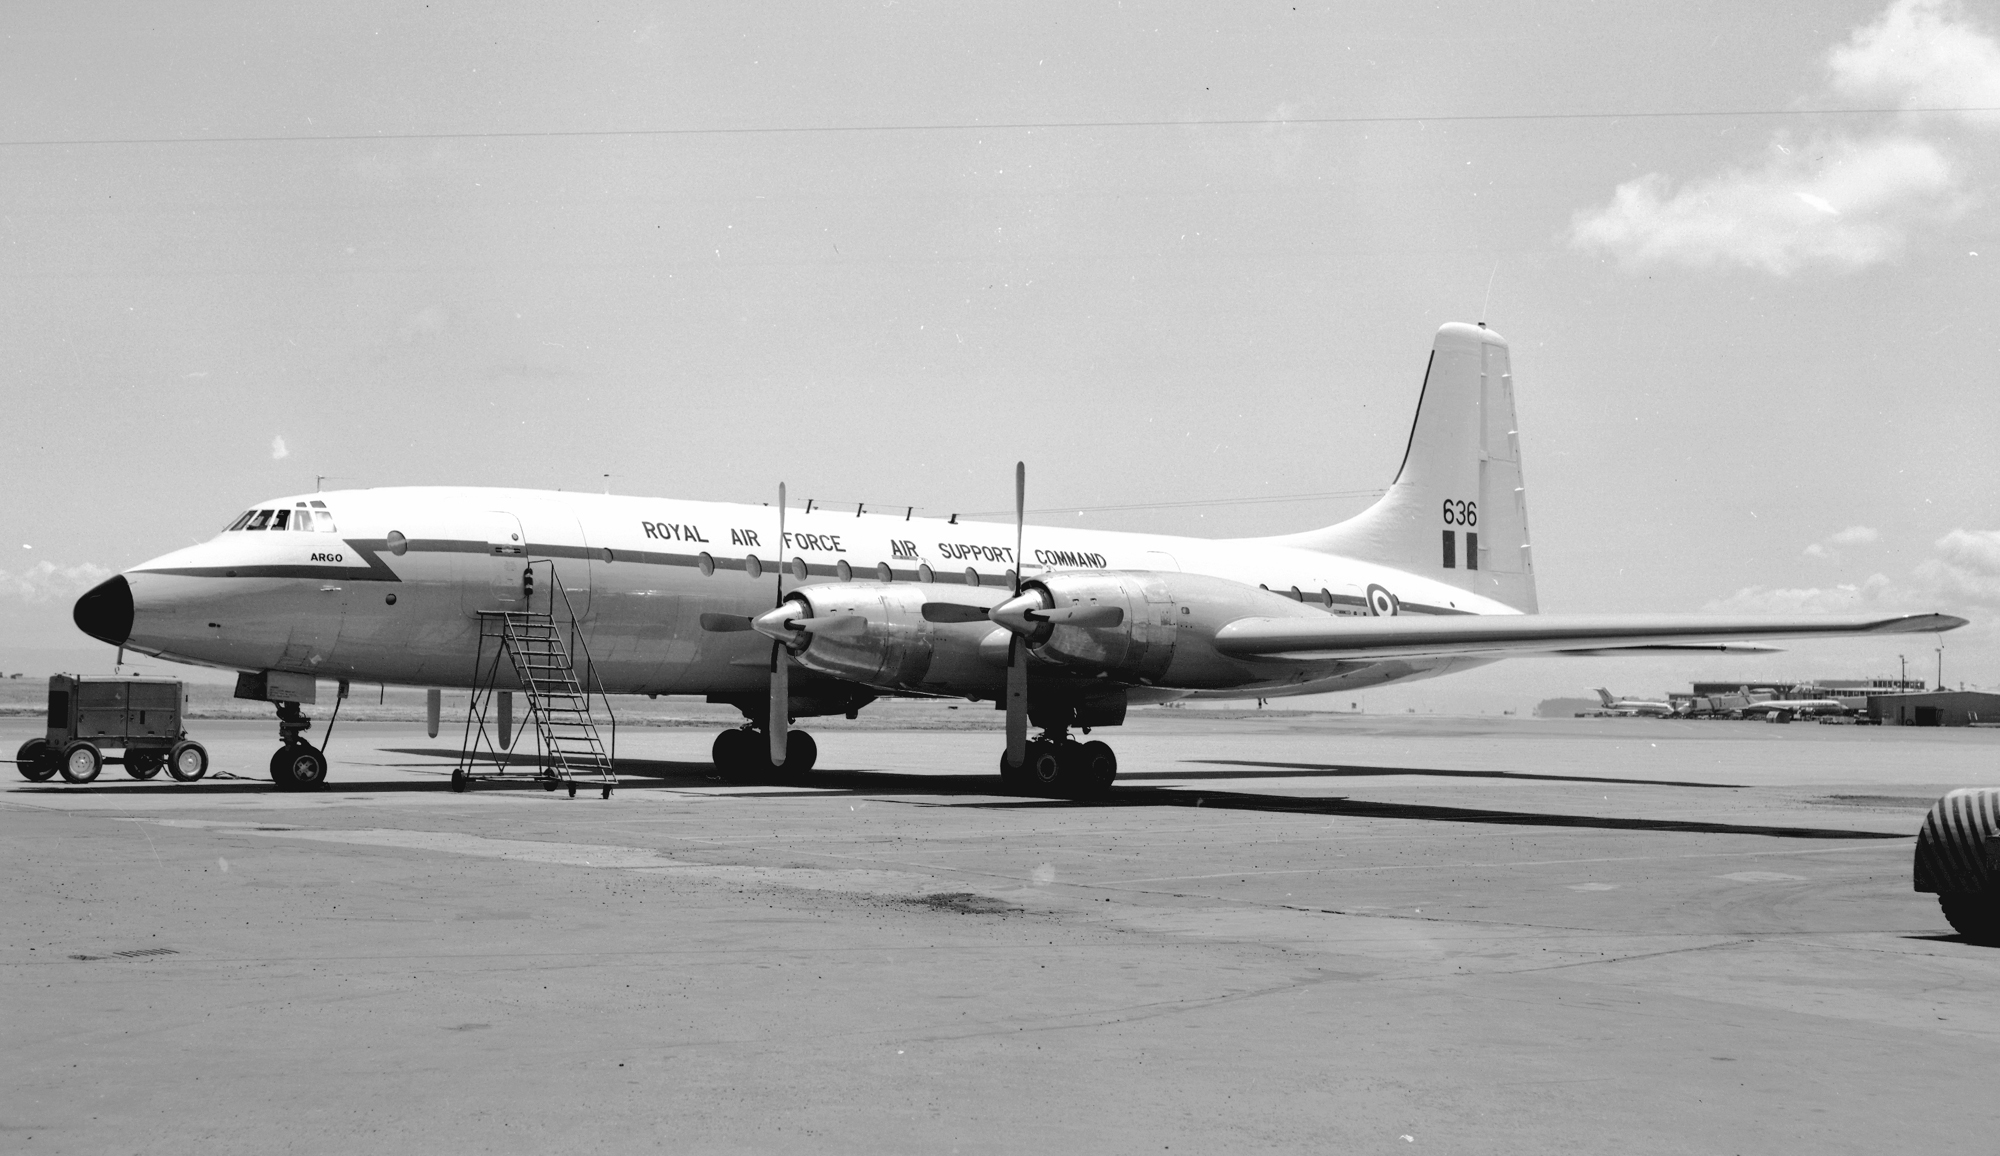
{"x": 298, "y": 767}
{"x": 36, "y": 761}
{"x": 144, "y": 764}
{"x": 187, "y": 762}
{"x": 81, "y": 761}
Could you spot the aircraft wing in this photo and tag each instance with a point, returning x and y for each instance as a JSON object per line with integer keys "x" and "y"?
{"x": 1412, "y": 636}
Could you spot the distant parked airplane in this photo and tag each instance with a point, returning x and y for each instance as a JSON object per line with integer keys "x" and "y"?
{"x": 1799, "y": 706}
{"x": 1637, "y": 706}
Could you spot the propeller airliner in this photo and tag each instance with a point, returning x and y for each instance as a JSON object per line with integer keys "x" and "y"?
{"x": 787, "y": 614}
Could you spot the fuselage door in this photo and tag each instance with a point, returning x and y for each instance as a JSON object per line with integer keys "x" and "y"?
{"x": 494, "y": 578}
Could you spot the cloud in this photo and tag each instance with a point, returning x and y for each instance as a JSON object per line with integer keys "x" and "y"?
{"x": 278, "y": 451}
{"x": 1963, "y": 573}
{"x": 1828, "y": 547}
{"x": 1920, "y": 54}
{"x": 45, "y": 581}
{"x": 1841, "y": 201}
{"x": 427, "y": 322}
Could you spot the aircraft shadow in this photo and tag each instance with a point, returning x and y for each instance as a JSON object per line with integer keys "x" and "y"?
{"x": 1346, "y": 770}
{"x": 986, "y": 792}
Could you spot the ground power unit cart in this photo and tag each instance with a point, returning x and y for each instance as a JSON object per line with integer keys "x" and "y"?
{"x": 141, "y": 716}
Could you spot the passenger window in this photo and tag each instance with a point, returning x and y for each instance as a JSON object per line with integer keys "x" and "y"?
{"x": 279, "y": 518}
{"x": 262, "y": 519}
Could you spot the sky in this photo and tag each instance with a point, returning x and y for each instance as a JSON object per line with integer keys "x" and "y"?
{"x": 1167, "y": 254}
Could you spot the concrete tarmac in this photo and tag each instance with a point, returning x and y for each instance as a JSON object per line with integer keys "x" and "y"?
{"x": 1325, "y": 934}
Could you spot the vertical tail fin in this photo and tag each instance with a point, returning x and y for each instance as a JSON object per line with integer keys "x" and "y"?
{"x": 1457, "y": 511}
{"x": 1604, "y": 696}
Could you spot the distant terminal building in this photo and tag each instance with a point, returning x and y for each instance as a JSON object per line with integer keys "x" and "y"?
{"x": 1935, "y": 708}
{"x": 1726, "y": 699}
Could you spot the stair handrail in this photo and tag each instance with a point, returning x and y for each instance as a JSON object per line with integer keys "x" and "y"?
{"x": 577, "y": 643}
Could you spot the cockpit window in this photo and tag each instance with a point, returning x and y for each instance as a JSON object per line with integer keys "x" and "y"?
{"x": 238, "y": 523}
{"x": 279, "y": 518}
{"x": 326, "y": 525}
{"x": 262, "y": 519}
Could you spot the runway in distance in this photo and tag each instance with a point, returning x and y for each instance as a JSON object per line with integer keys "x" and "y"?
{"x": 1636, "y": 706}
{"x": 790, "y": 614}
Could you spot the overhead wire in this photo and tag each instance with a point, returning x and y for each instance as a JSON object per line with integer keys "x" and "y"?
{"x": 1007, "y": 126}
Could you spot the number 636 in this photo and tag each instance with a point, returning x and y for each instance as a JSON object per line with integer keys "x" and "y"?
{"x": 1461, "y": 513}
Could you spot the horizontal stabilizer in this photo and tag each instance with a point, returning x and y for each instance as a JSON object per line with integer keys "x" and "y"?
{"x": 1409, "y": 636}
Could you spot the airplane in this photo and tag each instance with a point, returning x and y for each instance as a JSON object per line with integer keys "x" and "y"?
{"x": 1633, "y": 706}
{"x": 1797, "y": 707}
{"x": 789, "y": 614}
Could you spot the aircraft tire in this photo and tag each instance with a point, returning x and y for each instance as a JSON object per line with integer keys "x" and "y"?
{"x": 801, "y": 752}
{"x": 298, "y": 767}
{"x": 144, "y": 764}
{"x": 1098, "y": 764}
{"x": 81, "y": 761}
{"x": 1046, "y": 770}
{"x": 1975, "y": 915}
{"x": 36, "y": 761}
{"x": 187, "y": 762}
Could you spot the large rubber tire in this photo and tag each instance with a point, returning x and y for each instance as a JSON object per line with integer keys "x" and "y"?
{"x": 144, "y": 764}
{"x": 187, "y": 762}
{"x": 1975, "y": 915}
{"x": 1044, "y": 770}
{"x": 1097, "y": 765}
{"x": 81, "y": 761}
{"x": 731, "y": 752}
{"x": 298, "y": 767}
{"x": 801, "y": 752}
{"x": 36, "y": 761}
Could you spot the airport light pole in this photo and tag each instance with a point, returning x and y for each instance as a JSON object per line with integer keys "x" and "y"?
{"x": 1940, "y": 654}
{"x": 1903, "y": 672}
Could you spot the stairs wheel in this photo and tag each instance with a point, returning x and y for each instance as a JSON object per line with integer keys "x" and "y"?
{"x": 572, "y": 790}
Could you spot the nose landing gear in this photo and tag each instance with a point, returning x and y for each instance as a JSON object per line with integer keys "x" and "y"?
{"x": 1058, "y": 765}
{"x": 297, "y": 765}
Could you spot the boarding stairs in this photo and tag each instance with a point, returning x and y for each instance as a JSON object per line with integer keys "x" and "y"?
{"x": 542, "y": 653}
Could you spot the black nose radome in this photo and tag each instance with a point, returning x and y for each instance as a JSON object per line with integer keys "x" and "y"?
{"x": 105, "y": 611}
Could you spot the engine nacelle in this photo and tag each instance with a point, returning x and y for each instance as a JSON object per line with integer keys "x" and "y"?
{"x": 1165, "y": 637}
{"x": 875, "y": 634}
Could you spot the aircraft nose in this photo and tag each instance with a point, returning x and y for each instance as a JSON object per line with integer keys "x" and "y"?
{"x": 105, "y": 611}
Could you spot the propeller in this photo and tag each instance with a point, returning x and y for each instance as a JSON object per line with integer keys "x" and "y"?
{"x": 947, "y": 612}
{"x": 780, "y": 719}
{"x": 1025, "y": 613}
{"x": 1017, "y": 647}
{"x": 726, "y": 623}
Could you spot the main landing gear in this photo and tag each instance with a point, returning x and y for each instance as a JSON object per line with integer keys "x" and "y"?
{"x": 745, "y": 752}
{"x": 297, "y": 765}
{"x": 1059, "y": 765}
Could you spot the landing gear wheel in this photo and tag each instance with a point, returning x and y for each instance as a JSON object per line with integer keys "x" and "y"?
{"x": 36, "y": 761}
{"x": 1097, "y": 765}
{"x": 81, "y": 761}
{"x": 1975, "y": 915}
{"x": 187, "y": 762}
{"x": 298, "y": 767}
{"x": 801, "y": 752}
{"x": 727, "y": 752}
{"x": 1044, "y": 769}
{"x": 144, "y": 764}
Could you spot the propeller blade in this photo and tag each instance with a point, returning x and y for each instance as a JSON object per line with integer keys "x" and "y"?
{"x": 779, "y": 721}
{"x": 1017, "y": 650}
{"x": 781, "y": 703}
{"x": 1086, "y": 616}
{"x": 1017, "y": 701}
{"x": 1020, "y": 518}
{"x": 953, "y": 612}
{"x": 725, "y": 623}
